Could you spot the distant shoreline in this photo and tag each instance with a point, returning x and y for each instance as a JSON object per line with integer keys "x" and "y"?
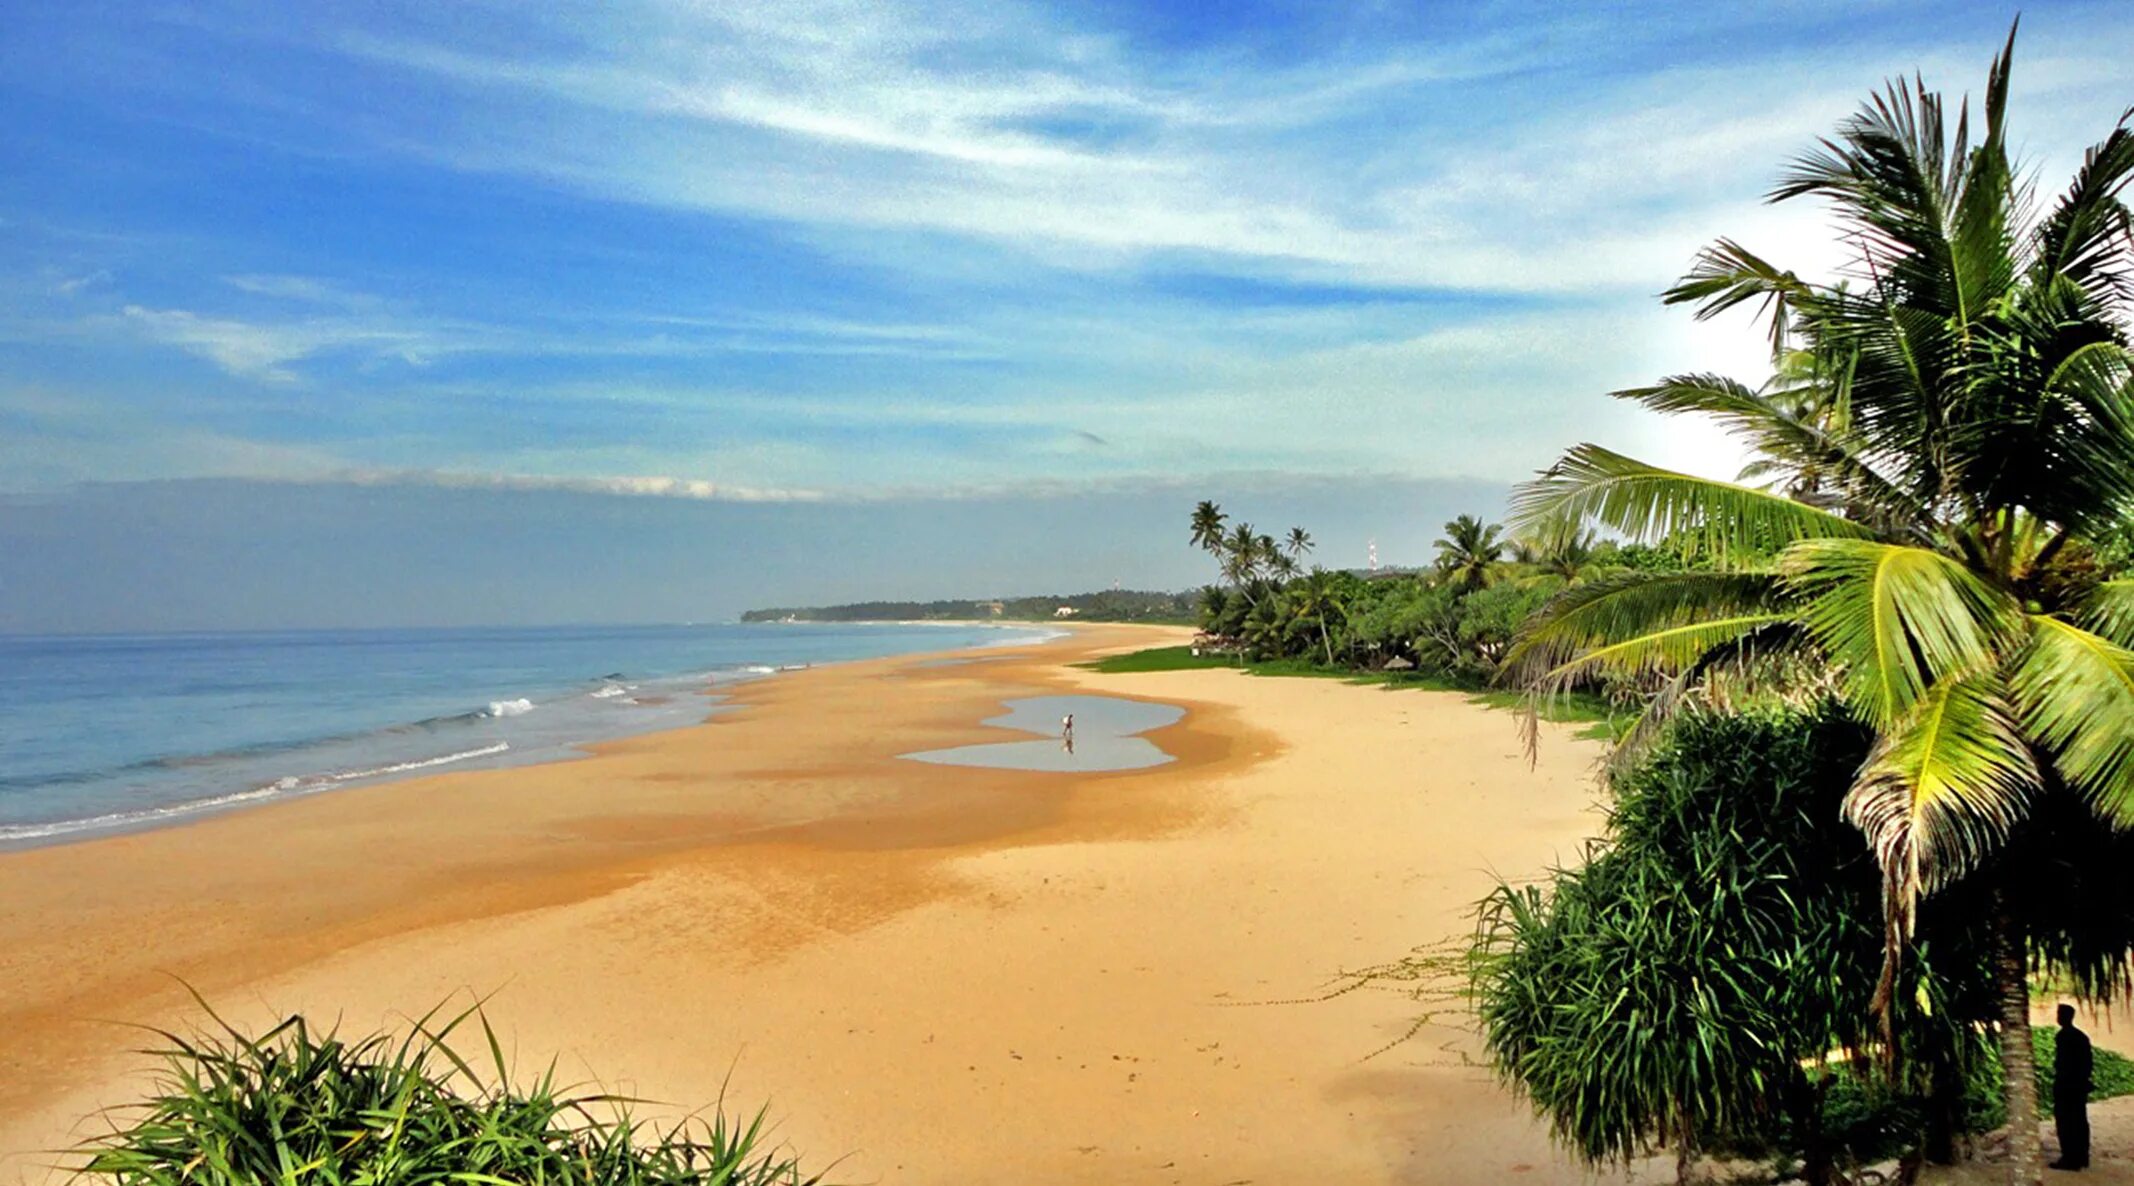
{"x": 1120, "y": 606}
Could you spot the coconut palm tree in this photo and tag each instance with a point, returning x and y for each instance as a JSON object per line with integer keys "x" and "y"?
{"x": 1208, "y": 523}
{"x": 1973, "y": 429}
{"x": 1469, "y": 552}
{"x": 1318, "y": 599}
{"x": 1243, "y": 559}
{"x": 1298, "y": 543}
{"x": 1563, "y": 553}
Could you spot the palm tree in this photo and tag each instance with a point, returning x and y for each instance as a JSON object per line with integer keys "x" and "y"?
{"x": 1298, "y": 543}
{"x": 1318, "y": 599}
{"x": 1208, "y": 522}
{"x": 1470, "y": 551}
{"x": 1973, "y": 428}
{"x": 1566, "y": 553}
{"x": 1242, "y": 559}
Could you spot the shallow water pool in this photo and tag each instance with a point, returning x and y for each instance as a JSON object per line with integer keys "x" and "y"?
{"x": 1106, "y": 737}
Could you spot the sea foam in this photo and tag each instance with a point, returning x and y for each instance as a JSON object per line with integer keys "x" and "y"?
{"x": 287, "y": 785}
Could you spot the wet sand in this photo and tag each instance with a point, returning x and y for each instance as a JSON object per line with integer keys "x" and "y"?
{"x": 938, "y": 974}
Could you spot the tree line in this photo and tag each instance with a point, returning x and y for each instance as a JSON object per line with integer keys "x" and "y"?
{"x": 1109, "y": 605}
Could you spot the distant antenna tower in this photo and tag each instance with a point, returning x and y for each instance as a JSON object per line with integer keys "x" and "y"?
{"x": 1374, "y": 555}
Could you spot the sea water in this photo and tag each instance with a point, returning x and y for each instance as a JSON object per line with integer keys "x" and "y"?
{"x": 1107, "y": 736}
{"x": 103, "y": 733}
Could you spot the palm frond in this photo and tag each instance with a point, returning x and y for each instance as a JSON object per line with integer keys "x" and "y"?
{"x": 2074, "y": 692}
{"x": 1985, "y": 205}
{"x": 1634, "y": 605}
{"x": 2110, "y": 610}
{"x": 1666, "y": 648}
{"x": 1941, "y": 789}
{"x": 1649, "y": 504}
{"x": 1780, "y": 435}
{"x": 1887, "y": 177}
{"x": 2088, "y": 238}
{"x": 1726, "y": 274}
{"x": 2071, "y": 452}
{"x": 1895, "y": 619}
{"x": 1774, "y": 660}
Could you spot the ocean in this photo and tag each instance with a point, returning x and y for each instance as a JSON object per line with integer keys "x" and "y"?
{"x": 107, "y": 733}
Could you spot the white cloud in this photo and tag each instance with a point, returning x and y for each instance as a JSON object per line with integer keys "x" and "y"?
{"x": 1004, "y": 124}
{"x": 630, "y": 486}
{"x": 302, "y": 289}
{"x": 257, "y": 350}
{"x": 971, "y": 152}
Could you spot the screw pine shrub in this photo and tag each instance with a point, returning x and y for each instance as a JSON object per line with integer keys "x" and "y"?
{"x": 294, "y": 1107}
{"x": 1683, "y": 986}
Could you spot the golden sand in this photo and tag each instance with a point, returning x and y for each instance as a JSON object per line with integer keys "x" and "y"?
{"x": 940, "y": 975}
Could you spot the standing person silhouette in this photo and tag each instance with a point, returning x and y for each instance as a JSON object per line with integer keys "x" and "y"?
{"x": 1067, "y": 732}
{"x": 2072, "y": 1064}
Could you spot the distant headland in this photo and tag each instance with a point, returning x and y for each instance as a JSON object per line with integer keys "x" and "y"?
{"x": 1110, "y": 605}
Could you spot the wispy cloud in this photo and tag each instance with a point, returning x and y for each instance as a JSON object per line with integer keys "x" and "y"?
{"x": 303, "y": 289}
{"x": 1371, "y": 168}
{"x": 831, "y": 246}
{"x": 265, "y": 351}
{"x": 72, "y": 285}
{"x": 626, "y": 486}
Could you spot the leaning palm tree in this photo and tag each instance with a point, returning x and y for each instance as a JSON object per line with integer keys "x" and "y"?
{"x": 1208, "y": 524}
{"x": 1972, "y": 429}
{"x": 1469, "y": 551}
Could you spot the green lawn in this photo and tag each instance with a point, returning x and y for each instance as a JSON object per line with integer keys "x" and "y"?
{"x": 1576, "y": 708}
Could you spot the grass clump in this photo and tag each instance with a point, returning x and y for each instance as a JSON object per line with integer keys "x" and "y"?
{"x": 1570, "y": 708}
{"x": 296, "y": 1107}
{"x": 1157, "y": 659}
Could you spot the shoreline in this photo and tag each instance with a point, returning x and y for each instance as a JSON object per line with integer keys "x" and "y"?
{"x": 874, "y": 940}
{"x": 712, "y": 686}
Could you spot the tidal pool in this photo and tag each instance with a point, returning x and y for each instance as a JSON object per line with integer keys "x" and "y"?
{"x": 1105, "y": 736}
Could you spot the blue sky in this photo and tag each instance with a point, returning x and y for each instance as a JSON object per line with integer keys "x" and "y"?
{"x": 841, "y": 253}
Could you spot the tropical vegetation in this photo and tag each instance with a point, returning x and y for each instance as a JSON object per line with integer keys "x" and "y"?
{"x": 1453, "y": 622}
{"x": 1105, "y": 605}
{"x": 1701, "y": 979}
{"x": 299, "y": 1107}
{"x": 1948, "y": 463}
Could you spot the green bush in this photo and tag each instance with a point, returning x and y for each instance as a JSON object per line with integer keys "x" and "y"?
{"x": 1679, "y": 987}
{"x": 299, "y": 1108}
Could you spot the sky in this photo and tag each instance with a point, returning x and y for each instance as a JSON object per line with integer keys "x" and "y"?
{"x": 407, "y": 313}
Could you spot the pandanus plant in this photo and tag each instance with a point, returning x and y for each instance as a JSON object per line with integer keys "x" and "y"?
{"x": 1956, "y": 430}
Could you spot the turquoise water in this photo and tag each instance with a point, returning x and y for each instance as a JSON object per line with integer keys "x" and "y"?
{"x": 101, "y": 733}
{"x": 1106, "y": 736}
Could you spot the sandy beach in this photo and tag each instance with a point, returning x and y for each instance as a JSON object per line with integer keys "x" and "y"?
{"x": 937, "y": 975}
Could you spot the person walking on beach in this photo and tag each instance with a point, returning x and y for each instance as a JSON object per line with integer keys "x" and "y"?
{"x": 1067, "y": 732}
{"x": 2072, "y": 1064}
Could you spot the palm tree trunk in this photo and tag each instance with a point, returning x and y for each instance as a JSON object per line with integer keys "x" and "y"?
{"x": 2011, "y": 974}
{"x": 1328, "y": 639}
